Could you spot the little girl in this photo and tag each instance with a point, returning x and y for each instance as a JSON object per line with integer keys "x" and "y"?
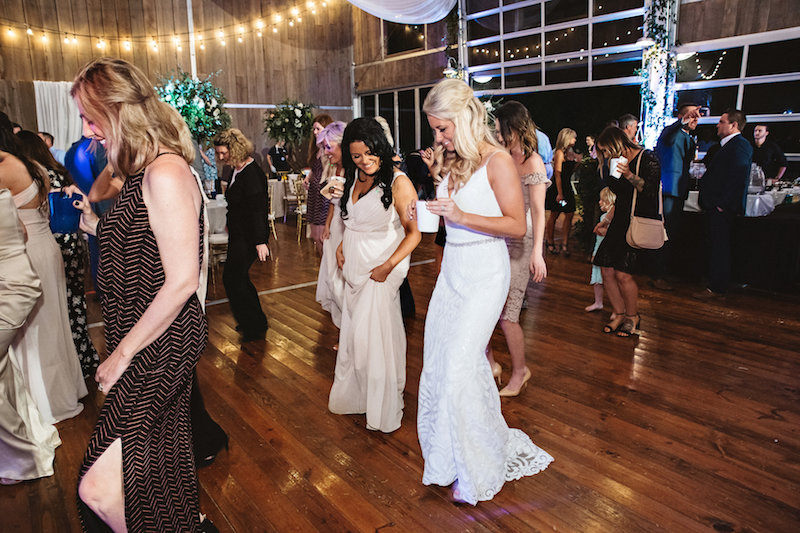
{"x": 607, "y": 199}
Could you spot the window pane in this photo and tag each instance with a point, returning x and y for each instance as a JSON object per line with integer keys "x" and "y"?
{"x": 771, "y": 58}
{"x": 566, "y": 71}
{"x": 407, "y": 131}
{"x": 765, "y": 98}
{"x": 616, "y": 65}
{"x": 485, "y": 79}
{"x": 566, "y": 40}
{"x": 522, "y": 19}
{"x": 483, "y": 27}
{"x": 563, "y": 10}
{"x": 717, "y": 99}
{"x": 522, "y": 48}
{"x": 715, "y": 65}
{"x": 602, "y": 7}
{"x": 368, "y": 106}
{"x": 403, "y": 37}
{"x": 524, "y": 76}
{"x": 483, "y": 54}
{"x": 386, "y": 108}
{"x": 616, "y": 32}
{"x": 425, "y": 133}
{"x": 476, "y": 6}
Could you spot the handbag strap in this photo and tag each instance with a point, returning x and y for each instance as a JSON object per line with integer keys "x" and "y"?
{"x": 660, "y": 196}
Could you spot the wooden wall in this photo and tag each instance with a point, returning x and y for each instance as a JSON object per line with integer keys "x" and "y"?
{"x": 309, "y": 62}
{"x": 713, "y": 19}
{"x": 371, "y": 75}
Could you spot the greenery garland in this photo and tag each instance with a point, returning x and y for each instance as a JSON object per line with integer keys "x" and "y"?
{"x": 200, "y": 103}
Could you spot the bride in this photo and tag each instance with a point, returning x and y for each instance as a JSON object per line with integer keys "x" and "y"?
{"x": 464, "y": 438}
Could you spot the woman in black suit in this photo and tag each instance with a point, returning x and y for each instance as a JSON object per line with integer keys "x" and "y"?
{"x": 248, "y": 233}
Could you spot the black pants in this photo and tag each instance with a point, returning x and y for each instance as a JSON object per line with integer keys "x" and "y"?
{"x": 719, "y": 228}
{"x": 673, "y": 219}
{"x": 241, "y": 292}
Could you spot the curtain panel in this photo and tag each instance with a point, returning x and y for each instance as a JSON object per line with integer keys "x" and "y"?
{"x": 57, "y": 113}
{"x": 407, "y": 11}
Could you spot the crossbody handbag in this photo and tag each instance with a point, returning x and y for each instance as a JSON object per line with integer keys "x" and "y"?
{"x": 646, "y": 233}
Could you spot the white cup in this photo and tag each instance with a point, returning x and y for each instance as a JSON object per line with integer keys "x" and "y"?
{"x": 612, "y": 166}
{"x": 427, "y": 222}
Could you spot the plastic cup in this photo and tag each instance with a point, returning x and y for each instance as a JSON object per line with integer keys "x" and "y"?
{"x": 427, "y": 222}
{"x": 612, "y": 166}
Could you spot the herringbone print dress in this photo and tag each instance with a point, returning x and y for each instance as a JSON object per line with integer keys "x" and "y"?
{"x": 148, "y": 408}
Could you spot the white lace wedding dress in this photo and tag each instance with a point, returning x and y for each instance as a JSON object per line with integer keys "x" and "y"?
{"x": 462, "y": 432}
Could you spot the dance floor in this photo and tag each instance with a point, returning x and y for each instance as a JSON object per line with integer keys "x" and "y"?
{"x": 694, "y": 426}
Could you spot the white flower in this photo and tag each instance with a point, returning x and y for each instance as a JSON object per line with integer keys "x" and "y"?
{"x": 286, "y": 120}
{"x": 298, "y": 114}
{"x": 297, "y": 123}
{"x": 216, "y": 112}
{"x": 213, "y": 102}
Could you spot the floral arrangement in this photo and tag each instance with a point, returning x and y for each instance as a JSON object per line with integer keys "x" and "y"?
{"x": 491, "y": 106}
{"x": 200, "y": 103}
{"x": 290, "y": 122}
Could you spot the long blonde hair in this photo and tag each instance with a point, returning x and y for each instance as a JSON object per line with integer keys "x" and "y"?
{"x": 118, "y": 97}
{"x": 562, "y": 141}
{"x": 453, "y": 100}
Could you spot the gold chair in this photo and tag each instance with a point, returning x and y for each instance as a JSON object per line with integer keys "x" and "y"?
{"x": 302, "y": 208}
{"x": 218, "y": 253}
{"x": 290, "y": 200}
{"x": 271, "y": 218}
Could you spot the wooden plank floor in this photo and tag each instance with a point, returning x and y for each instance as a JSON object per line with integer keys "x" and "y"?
{"x": 695, "y": 426}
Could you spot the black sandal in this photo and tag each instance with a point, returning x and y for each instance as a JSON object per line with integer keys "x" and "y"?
{"x": 614, "y": 324}
{"x": 630, "y": 326}
{"x": 551, "y": 248}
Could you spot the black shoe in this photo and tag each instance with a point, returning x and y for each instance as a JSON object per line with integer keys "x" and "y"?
{"x": 257, "y": 335}
{"x": 203, "y": 459}
{"x": 207, "y": 526}
{"x": 708, "y": 294}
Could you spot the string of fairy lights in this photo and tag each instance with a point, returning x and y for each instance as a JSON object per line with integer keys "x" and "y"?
{"x": 222, "y": 35}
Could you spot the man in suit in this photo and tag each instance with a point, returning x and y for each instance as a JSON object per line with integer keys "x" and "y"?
{"x": 723, "y": 194}
{"x": 675, "y": 150}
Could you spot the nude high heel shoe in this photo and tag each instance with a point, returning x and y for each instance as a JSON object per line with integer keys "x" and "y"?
{"x": 497, "y": 372}
{"x": 507, "y": 393}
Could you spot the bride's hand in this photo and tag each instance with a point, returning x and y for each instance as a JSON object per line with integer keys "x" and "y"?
{"x": 447, "y": 208}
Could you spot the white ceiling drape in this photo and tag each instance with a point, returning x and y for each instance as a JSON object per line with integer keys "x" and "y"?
{"x": 57, "y": 113}
{"x": 407, "y": 11}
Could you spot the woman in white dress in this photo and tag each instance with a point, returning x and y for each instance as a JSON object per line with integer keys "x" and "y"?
{"x": 43, "y": 346}
{"x": 374, "y": 255}
{"x": 464, "y": 438}
{"x": 330, "y": 283}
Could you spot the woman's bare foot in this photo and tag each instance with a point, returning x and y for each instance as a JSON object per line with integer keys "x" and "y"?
{"x": 594, "y": 307}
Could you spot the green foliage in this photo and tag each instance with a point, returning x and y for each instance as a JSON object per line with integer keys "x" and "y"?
{"x": 291, "y": 122}
{"x": 200, "y": 103}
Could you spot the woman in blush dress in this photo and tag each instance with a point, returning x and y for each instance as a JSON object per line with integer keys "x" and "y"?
{"x": 464, "y": 438}
{"x": 515, "y": 130}
{"x": 330, "y": 283}
{"x": 317, "y": 212}
{"x": 73, "y": 252}
{"x": 374, "y": 256}
{"x": 43, "y": 346}
{"x": 138, "y": 473}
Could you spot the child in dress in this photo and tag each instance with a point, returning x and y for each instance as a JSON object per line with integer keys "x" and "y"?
{"x": 607, "y": 199}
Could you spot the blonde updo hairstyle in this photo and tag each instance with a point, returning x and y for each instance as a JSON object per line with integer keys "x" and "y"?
{"x": 453, "y": 100}
{"x": 119, "y": 98}
{"x": 239, "y": 146}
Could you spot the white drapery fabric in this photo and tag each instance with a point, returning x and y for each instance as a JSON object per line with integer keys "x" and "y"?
{"x": 407, "y": 11}
{"x": 57, "y": 113}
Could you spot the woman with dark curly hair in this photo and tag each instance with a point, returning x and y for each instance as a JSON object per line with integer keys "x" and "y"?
{"x": 615, "y": 257}
{"x": 374, "y": 257}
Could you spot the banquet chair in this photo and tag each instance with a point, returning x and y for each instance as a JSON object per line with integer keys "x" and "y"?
{"x": 218, "y": 253}
{"x": 271, "y": 218}
{"x": 290, "y": 199}
{"x": 302, "y": 208}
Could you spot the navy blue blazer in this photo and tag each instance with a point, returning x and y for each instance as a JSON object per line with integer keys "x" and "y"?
{"x": 675, "y": 151}
{"x": 724, "y": 184}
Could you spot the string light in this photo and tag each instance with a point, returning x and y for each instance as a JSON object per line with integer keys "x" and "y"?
{"x": 713, "y": 72}
{"x": 293, "y": 16}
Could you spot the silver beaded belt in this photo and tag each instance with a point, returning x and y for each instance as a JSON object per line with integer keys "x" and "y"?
{"x": 475, "y": 243}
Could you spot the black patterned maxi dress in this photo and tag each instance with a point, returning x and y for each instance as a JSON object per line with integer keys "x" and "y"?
{"x": 74, "y": 252}
{"x": 148, "y": 408}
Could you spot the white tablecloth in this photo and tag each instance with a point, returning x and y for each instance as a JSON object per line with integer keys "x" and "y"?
{"x": 758, "y": 205}
{"x": 217, "y": 214}
{"x": 276, "y": 193}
